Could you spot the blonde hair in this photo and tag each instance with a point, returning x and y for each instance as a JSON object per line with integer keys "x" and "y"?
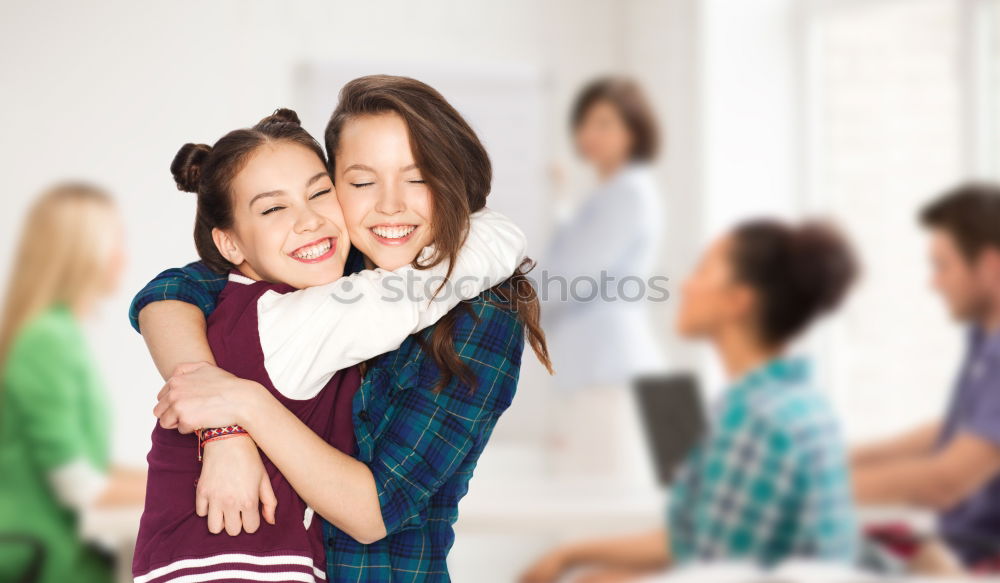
{"x": 63, "y": 255}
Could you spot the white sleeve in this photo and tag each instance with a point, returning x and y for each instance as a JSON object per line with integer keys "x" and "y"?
{"x": 310, "y": 334}
{"x": 77, "y": 484}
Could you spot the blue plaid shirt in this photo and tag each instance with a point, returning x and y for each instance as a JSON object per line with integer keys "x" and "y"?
{"x": 770, "y": 480}
{"x": 421, "y": 446}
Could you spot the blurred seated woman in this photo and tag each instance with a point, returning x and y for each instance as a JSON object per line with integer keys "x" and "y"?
{"x": 770, "y": 481}
{"x": 54, "y": 433}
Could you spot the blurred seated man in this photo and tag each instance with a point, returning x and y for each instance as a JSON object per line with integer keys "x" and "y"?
{"x": 953, "y": 465}
{"x": 769, "y": 482}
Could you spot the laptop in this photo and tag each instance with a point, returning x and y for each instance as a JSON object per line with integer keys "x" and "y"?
{"x": 673, "y": 414}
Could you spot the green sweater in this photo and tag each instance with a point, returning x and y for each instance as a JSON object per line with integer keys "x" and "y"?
{"x": 53, "y": 411}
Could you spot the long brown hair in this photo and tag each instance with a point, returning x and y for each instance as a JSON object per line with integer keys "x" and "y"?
{"x": 209, "y": 171}
{"x": 457, "y": 170}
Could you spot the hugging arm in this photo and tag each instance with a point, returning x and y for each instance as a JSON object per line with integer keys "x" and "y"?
{"x": 174, "y": 332}
{"x": 493, "y": 250}
{"x": 310, "y": 334}
{"x": 170, "y": 314}
{"x": 420, "y": 446}
{"x": 234, "y": 488}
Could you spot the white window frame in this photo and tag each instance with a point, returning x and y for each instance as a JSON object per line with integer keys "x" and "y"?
{"x": 980, "y": 33}
{"x": 979, "y": 22}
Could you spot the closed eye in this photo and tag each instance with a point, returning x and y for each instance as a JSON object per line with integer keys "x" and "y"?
{"x": 272, "y": 209}
{"x": 416, "y": 181}
{"x": 361, "y": 184}
{"x": 320, "y": 193}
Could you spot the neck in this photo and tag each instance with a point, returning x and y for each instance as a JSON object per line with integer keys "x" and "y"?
{"x": 606, "y": 171}
{"x": 741, "y": 352}
{"x": 248, "y": 271}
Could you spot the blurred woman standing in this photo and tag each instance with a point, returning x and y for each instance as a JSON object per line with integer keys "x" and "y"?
{"x": 54, "y": 426}
{"x": 599, "y": 326}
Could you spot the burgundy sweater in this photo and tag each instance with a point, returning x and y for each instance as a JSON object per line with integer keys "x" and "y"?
{"x": 173, "y": 541}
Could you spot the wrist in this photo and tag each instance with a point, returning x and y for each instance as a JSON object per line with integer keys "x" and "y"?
{"x": 251, "y": 404}
{"x": 214, "y": 434}
{"x": 205, "y": 445}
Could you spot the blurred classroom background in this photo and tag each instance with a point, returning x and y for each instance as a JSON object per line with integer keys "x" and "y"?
{"x": 860, "y": 110}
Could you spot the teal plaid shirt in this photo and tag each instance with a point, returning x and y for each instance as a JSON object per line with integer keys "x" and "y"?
{"x": 421, "y": 446}
{"x": 770, "y": 480}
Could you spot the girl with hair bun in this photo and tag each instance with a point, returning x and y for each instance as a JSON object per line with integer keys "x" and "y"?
{"x": 769, "y": 482}
{"x": 288, "y": 319}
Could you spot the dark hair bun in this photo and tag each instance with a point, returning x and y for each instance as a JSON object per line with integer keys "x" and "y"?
{"x": 797, "y": 272}
{"x": 281, "y": 115}
{"x": 823, "y": 265}
{"x": 187, "y": 165}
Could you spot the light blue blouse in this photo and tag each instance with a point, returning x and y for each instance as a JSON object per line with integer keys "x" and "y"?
{"x": 607, "y": 339}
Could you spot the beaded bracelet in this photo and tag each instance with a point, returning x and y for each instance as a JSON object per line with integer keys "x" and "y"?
{"x": 217, "y": 434}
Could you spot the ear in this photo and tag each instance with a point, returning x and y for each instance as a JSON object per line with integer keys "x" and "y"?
{"x": 742, "y": 300}
{"x": 227, "y": 245}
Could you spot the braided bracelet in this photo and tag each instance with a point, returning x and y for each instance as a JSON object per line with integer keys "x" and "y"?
{"x": 217, "y": 434}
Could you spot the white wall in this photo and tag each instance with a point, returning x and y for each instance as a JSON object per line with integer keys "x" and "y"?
{"x": 664, "y": 49}
{"x": 725, "y": 75}
{"x": 749, "y": 75}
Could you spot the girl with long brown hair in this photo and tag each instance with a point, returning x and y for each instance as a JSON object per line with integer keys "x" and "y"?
{"x": 409, "y": 172}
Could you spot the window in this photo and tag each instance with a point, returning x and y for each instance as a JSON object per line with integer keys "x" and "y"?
{"x": 901, "y": 101}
